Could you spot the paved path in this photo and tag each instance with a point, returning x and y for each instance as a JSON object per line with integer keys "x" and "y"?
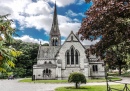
{"x": 124, "y": 80}
{"x": 14, "y": 85}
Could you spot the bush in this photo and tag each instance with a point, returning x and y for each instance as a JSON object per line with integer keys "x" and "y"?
{"x": 77, "y": 78}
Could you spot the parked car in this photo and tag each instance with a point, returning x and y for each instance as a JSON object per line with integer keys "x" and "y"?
{"x": 10, "y": 77}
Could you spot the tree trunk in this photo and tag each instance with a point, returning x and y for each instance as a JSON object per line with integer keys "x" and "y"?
{"x": 119, "y": 69}
{"x": 77, "y": 85}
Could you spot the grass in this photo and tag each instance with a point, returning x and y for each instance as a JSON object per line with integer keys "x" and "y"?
{"x": 65, "y": 81}
{"x": 43, "y": 81}
{"x": 90, "y": 88}
{"x": 126, "y": 74}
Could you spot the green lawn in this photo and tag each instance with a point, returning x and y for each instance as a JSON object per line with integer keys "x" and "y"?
{"x": 90, "y": 88}
{"x": 65, "y": 81}
{"x": 43, "y": 81}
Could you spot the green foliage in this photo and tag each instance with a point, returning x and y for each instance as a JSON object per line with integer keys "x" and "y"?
{"x": 25, "y": 61}
{"x": 46, "y": 44}
{"x": 7, "y": 54}
{"x": 77, "y": 78}
{"x": 108, "y": 20}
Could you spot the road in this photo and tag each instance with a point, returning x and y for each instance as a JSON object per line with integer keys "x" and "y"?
{"x": 14, "y": 85}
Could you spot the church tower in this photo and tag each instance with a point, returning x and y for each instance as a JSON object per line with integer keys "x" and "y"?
{"x": 55, "y": 38}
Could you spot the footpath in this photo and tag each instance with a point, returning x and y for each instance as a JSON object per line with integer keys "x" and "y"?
{"x": 14, "y": 85}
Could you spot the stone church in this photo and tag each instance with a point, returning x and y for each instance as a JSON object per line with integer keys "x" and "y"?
{"x": 58, "y": 61}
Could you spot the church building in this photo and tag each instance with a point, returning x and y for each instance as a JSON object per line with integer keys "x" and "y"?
{"x": 58, "y": 61}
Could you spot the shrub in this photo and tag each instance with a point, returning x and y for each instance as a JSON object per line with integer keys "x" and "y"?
{"x": 77, "y": 78}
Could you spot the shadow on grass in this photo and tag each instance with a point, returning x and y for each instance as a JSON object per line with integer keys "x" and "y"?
{"x": 76, "y": 88}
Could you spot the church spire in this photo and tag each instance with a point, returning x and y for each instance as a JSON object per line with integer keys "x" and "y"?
{"x": 55, "y": 28}
{"x": 55, "y": 38}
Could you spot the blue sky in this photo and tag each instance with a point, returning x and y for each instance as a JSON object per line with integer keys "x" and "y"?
{"x": 33, "y": 18}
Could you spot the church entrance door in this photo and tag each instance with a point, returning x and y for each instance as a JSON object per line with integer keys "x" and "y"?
{"x": 46, "y": 73}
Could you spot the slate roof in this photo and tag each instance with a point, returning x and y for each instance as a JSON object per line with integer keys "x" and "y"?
{"x": 46, "y": 65}
{"x": 47, "y": 52}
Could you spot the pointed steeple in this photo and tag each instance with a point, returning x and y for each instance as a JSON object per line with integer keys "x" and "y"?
{"x": 55, "y": 38}
{"x": 55, "y": 28}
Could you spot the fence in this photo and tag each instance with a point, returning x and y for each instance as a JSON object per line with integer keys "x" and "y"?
{"x": 125, "y": 88}
{"x": 109, "y": 88}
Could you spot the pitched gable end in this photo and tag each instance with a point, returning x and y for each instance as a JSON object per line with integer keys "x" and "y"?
{"x": 72, "y": 37}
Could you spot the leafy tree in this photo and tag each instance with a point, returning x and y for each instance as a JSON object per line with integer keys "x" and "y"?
{"x": 77, "y": 78}
{"x": 7, "y": 54}
{"x": 46, "y": 44}
{"x": 25, "y": 61}
{"x": 115, "y": 58}
{"x": 110, "y": 21}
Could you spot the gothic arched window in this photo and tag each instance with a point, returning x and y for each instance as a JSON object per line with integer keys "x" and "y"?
{"x": 45, "y": 62}
{"x": 72, "y": 56}
{"x": 46, "y": 70}
{"x": 50, "y": 62}
{"x": 68, "y": 57}
{"x": 56, "y": 42}
{"x": 76, "y": 57}
{"x": 53, "y": 42}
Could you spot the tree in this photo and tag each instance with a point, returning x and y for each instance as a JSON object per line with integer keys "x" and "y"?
{"x": 45, "y": 44}
{"x": 26, "y": 60}
{"x": 115, "y": 58}
{"x": 77, "y": 78}
{"x": 108, "y": 20}
{"x": 7, "y": 54}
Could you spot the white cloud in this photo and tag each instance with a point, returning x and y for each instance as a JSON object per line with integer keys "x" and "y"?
{"x": 66, "y": 28}
{"x": 62, "y": 41}
{"x": 39, "y": 15}
{"x": 81, "y": 2}
{"x": 39, "y": 22}
{"x": 62, "y": 3}
{"x": 88, "y": 42}
{"x": 27, "y": 38}
{"x": 13, "y": 25}
{"x": 76, "y": 20}
{"x": 37, "y": 8}
{"x": 63, "y": 19}
{"x": 71, "y": 13}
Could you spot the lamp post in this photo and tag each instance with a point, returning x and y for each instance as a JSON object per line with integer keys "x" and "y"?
{"x": 32, "y": 66}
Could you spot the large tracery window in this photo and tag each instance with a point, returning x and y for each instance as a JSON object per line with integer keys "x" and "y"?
{"x": 72, "y": 56}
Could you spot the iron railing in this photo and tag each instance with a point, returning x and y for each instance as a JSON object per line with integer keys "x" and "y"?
{"x": 109, "y": 88}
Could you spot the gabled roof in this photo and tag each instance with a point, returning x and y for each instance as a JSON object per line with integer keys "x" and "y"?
{"x": 68, "y": 40}
{"x": 74, "y": 37}
{"x": 47, "y": 52}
